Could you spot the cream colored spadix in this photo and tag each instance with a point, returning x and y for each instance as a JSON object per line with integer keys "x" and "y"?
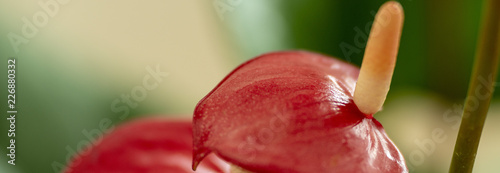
{"x": 380, "y": 58}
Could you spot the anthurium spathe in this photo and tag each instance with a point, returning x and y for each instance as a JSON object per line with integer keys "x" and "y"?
{"x": 144, "y": 145}
{"x": 292, "y": 112}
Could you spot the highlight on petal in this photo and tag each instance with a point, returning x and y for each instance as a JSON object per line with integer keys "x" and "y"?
{"x": 292, "y": 112}
{"x": 144, "y": 145}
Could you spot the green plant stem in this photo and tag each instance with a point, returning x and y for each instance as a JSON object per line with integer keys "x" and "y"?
{"x": 480, "y": 89}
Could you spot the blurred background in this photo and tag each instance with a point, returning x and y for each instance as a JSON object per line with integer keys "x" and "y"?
{"x": 82, "y": 64}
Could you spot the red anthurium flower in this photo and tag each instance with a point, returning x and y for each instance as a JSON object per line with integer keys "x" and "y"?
{"x": 298, "y": 111}
{"x": 292, "y": 112}
{"x": 142, "y": 146}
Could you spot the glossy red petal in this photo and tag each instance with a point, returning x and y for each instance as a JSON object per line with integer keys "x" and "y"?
{"x": 292, "y": 112}
{"x": 145, "y": 145}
